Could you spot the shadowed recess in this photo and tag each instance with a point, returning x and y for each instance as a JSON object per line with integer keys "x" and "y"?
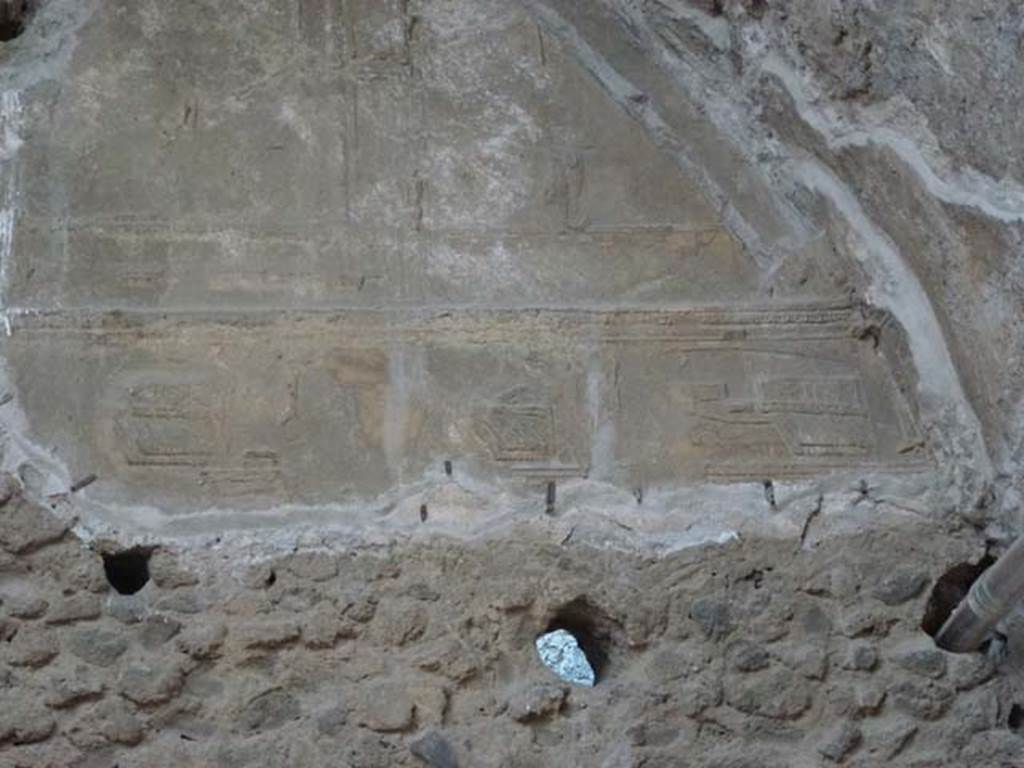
{"x": 951, "y": 588}
{"x": 592, "y": 629}
{"x": 1015, "y": 720}
{"x": 14, "y": 17}
{"x": 128, "y": 571}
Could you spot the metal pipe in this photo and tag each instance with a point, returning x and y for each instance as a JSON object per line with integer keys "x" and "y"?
{"x": 996, "y": 592}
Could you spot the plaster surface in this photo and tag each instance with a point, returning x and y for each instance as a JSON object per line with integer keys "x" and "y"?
{"x": 349, "y": 346}
{"x": 310, "y": 271}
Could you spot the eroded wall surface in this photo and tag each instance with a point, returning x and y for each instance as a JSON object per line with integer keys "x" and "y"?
{"x": 751, "y": 654}
{"x": 384, "y": 335}
{"x": 298, "y": 276}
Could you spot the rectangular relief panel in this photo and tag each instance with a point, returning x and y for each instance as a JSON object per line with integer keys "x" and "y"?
{"x": 236, "y": 411}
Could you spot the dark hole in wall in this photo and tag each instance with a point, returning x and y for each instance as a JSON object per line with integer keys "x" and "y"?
{"x": 757, "y": 8}
{"x": 712, "y": 7}
{"x": 14, "y": 17}
{"x": 128, "y": 571}
{"x": 756, "y": 577}
{"x": 592, "y": 629}
{"x": 950, "y": 588}
{"x": 1016, "y": 718}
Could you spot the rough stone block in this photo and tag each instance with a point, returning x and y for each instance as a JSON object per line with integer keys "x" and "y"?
{"x": 118, "y": 725}
{"x": 536, "y": 701}
{"x": 839, "y": 741}
{"x": 128, "y": 609}
{"x": 32, "y": 647}
{"x": 386, "y": 707}
{"x": 157, "y": 630}
{"x": 923, "y": 700}
{"x": 450, "y": 659}
{"x": 868, "y": 699}
{"x": 861, "y": 658}
{"x": 921, "y": 659}
{"x": 81, "y": 607}
{"x": 332, "y": 721}
{"x": 166, "y": 572}
{"x": 745, "y": 656}
{"x": 25, "y": 526}
{"x": 151, "y": 683}
{"x": 268, "y": 634}
{"x": 398, "y": 622}
{"x": 314, "y": 566}
{"x": 434, "y": 750}
{"x": 890, "y": 737}
{"x": 322, "y": 629}
{"x": 184, "y": 601}
{"x": 864, "y": 622}
{"x": 26, "y": 606}
{"x": 203, "y": 640}
{"x": 969, "y": 670}
{"x": 105, "y": 723}
{"x": 695, "y": 696}
{"x": 713, "y": 617}
{"x": 24, "y": 722}
{"x": 101, "y": 647}
{"x": 269, "y": 710}
{"x": 778, "y": 695}
{"x": 73, "y": 687}
{"x": 900, "y": 586}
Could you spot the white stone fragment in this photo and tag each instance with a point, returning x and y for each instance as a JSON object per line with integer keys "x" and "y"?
{"x": 562, "y": 655}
